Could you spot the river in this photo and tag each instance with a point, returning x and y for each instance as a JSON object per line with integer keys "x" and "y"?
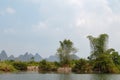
{"x": 52, "y": 76}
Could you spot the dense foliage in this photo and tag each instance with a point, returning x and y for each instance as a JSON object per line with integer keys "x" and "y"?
{"x": 64, "y": 52}
{"x": 47, "y": 66}
{"x": 82, "y": 66}
{"x": 6, "y": 67}
{"x": 98, "y": 45}
{"x": 32, "y": 63}
{"x": 22, "y": 66}
{"x": 105, "y": 60}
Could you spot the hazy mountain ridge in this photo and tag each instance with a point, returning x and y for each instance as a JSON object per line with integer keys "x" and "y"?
{"x": 30, "y": 57}
{"x": 3, "y": 55}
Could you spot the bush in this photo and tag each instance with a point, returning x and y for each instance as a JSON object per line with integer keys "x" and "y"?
{"x": 20, "y": 66}
{"x": 5, "y": 67}
{"x": 32, "y": 63}
{"x": 47, "y": 66}
{"x": 104, "y": 64}
{"x": 82, "y": 66}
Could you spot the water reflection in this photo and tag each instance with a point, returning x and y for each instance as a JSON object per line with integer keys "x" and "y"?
{"x": 101, "y": 77}
{"x": 65, "y": 77}
{"x": 87, "y": 77}
{"x": 53, "y": 76}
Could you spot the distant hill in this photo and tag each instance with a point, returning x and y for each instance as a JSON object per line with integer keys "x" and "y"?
{"x": 26, "y": 57}
{"x": 11, "y": 57}
{"x": 56, "y": 58}
{"x": 29, "y": 57}
{"x": 53, "y": 58}
{"x": 75, "y": 57}
{"x": 3, "y": 55}
{"x": 37, "y": 57}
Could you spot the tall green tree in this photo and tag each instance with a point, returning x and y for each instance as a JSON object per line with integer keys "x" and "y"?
{"x": 98, "y": 45}
{"x": 105, "y": 60}
{"x": 64, "y": 52}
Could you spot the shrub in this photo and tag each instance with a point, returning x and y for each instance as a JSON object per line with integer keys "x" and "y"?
{"x": 82, "y": 66}
{"x": 20, "y": 66}
{"x": 47, "y": 66}
{"x": 5, "y": 67}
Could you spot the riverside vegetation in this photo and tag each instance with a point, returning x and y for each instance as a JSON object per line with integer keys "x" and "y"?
{"x": 101, "y": 59}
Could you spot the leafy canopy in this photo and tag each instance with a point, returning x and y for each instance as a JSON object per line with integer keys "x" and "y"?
{"x": 65, "y": 50}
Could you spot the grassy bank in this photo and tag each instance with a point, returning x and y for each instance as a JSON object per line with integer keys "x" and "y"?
{"x": 6, "y": 67}
{"x": 12, "y": 66}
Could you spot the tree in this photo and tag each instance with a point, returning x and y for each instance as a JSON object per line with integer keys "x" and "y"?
{"x": 105, "y": 60}
{"x": 98, "y": 45}
{"x": 44, "y": 66}
{"x": 64, "y": 52}
{"x": 105, "y": 64}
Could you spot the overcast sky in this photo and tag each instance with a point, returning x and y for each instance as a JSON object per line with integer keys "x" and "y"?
{"x": 37, "y": 26}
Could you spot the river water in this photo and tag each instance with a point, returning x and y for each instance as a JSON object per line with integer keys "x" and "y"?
{"x": 52, "y": 76}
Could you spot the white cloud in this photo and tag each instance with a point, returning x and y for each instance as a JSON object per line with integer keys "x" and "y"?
{"x": 80, "y": 22}
{"x": 86, "y": 16}
{"x": 94, "y": 16}
{"x": 90, "y": 15}
{"x": 45, "y": 29}
{"x": 10, "y": 10}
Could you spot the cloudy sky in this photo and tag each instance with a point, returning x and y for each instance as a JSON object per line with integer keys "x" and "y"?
{"x": 37, "y": 26}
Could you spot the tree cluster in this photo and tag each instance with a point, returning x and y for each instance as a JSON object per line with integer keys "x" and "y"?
{"x": 102, "y": 59}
